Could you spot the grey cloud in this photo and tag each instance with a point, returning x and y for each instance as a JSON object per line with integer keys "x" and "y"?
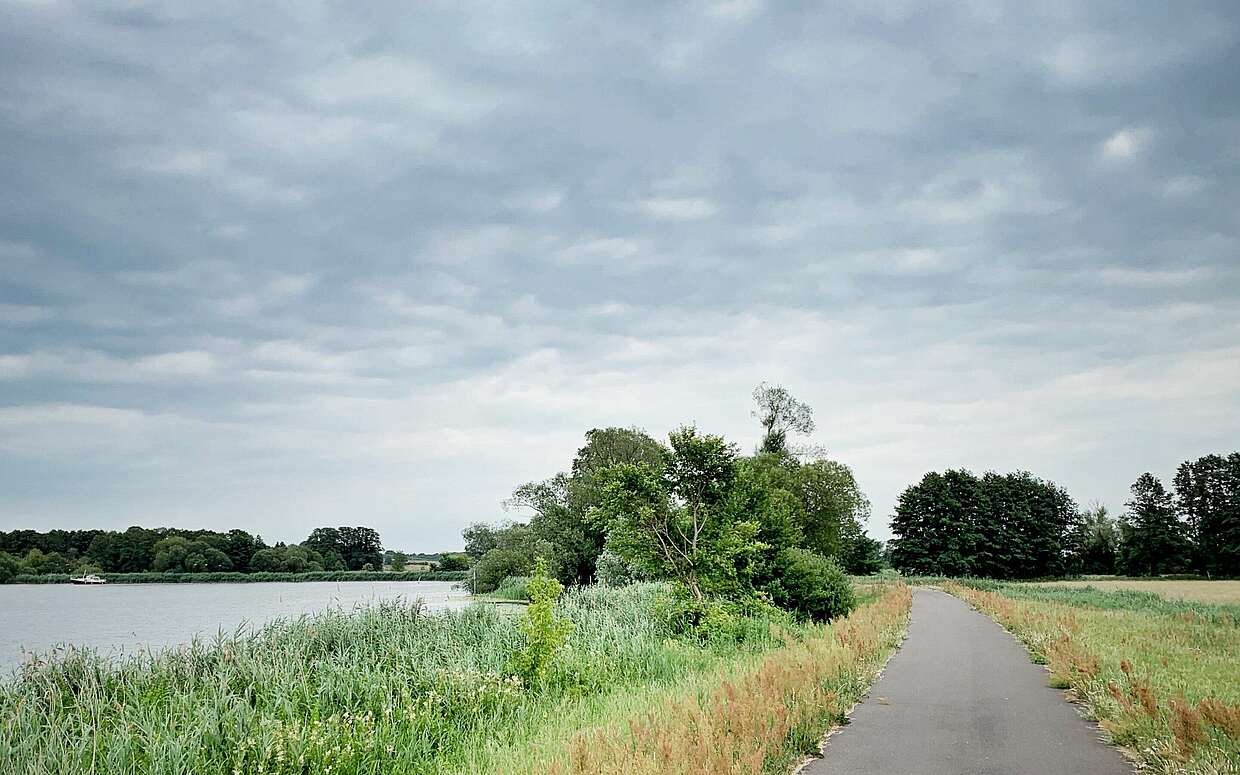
{"x": 311, "y": 264}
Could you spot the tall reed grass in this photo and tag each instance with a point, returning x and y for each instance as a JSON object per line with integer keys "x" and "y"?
{"x": 381, "y": 689}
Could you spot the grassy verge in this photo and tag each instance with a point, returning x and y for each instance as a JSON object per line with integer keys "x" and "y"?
{"x": 1159, "y": 675}
{"x": 756, "y": 714}
{"x": 390, "y": 688}
{"x": 231, "y": 577}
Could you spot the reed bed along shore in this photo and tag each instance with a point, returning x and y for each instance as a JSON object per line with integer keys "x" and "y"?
{"x": 1160, "y": 676}
{"x": 382, "y": 689}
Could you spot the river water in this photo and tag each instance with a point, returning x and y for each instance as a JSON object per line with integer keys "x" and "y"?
{"x": 123, "y": 618}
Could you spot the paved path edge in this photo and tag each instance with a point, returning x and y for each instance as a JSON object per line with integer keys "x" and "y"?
{"x": 1069, "y": 695}
{"x": 826, "y": 738}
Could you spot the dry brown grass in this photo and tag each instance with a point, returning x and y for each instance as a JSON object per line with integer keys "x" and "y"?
{"x": 1201, "y": 591}
{"x": 757, "y": 720}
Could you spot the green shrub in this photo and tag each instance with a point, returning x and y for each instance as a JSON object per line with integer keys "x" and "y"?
{"x": 812, "y": 585}
{"x": 497, "y": 565}
{"x": 720, "y": 622}
{"x": 454, "y": 561}
{"x": 545, "y": 633}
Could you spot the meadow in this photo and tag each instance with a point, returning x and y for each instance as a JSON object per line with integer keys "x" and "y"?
{"x": 392, "y": 688}
{"x": 1200, "y": 591}
{"x": 1158, "y": 672}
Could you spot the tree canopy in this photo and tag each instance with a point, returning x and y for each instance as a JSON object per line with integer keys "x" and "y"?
{"x": 694, "y": 511}
{"x": 997, "y": 526}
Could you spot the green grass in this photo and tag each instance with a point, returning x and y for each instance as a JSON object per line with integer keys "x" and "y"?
{"x": 232, "y": 577}
{"x": 356, "y": 692}
{"x": 511, "y": 588}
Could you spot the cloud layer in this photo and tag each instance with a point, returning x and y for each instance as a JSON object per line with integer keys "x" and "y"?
{"x": 290, "y": 266}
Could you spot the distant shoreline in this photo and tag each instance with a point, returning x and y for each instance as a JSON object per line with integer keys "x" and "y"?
{"x": 233, "y": 577}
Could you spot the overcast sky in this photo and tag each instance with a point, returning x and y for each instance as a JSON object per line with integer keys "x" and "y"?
{"x": 280, "y": 266}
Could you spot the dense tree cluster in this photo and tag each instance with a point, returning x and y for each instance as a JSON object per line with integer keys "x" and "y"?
{"x": 350, "y": 548}
{"x": 1207, "y": 492}
{"x": 140, "y": 550}
{"x": 1018, "y": 526}
{"x": 719, "y": 524}
{"x": 996, "y": 525}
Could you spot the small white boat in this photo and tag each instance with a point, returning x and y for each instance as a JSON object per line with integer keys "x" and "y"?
{"x": 91, "y": 579}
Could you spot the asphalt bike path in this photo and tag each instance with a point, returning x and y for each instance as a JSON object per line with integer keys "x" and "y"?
{"x": 962, "y": 698}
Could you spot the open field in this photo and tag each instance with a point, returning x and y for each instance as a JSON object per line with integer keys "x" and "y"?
{"x": 391, "y": 687}
{"x": 1159, "y": 675}
{"x": 1201, "y": 591}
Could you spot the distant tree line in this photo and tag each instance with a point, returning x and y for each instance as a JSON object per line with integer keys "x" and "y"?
{"x": 780, "y": 525}
{"x": 1016, "y": 526}
{"x": 172, "y": 550}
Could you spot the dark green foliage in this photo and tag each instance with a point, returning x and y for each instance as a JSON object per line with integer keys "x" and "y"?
{"x": 499, "y": 564}
{"x": 514, "y": 550}
{"x": 721, "y": 621}
{"x": 254, "y": 577}
{"x": 863, "y": 556}
{"x": 240, "y": 546}
{"x": 562, "y": 505}
{"x": 480, "y": 538}
{"x": 453, "y": 561}
{"x": 1155, "y": 539}
{"x": 1208, "y": 497}
{"x": 135, "y": 550}
{"x": 997, "y": 526}
{"x": 1095, "y": 543}
{"x": 696, "y": 513}
{"x": 287, "y": 559}
{"x": 9, "y": 567}
{"x": 811, "y": 585}
{"x": 356, "y": 547}
{"x": 685, "y": 520}
{"x": 179, "y": 555}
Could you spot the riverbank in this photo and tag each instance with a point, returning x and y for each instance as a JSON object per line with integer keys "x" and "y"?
{"x": 248, "y": 578}
{"x": 360, "y": 691}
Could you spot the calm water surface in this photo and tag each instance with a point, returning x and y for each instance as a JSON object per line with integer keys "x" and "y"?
{"x": 123, "y": 618}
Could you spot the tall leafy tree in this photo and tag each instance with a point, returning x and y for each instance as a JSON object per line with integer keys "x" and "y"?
{"x": 563, "y": 505}
{"x": 1094, "y": 543}
{"x": 354, "y": 547}
{"x": 937, "y": 525}
{"x": 1208, "y": 496}
{"x": 240, "y": 546}
{"x": 681, "y": 520}
{"x": 480, "y": 538}
{"x": 1155, "y": 540}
